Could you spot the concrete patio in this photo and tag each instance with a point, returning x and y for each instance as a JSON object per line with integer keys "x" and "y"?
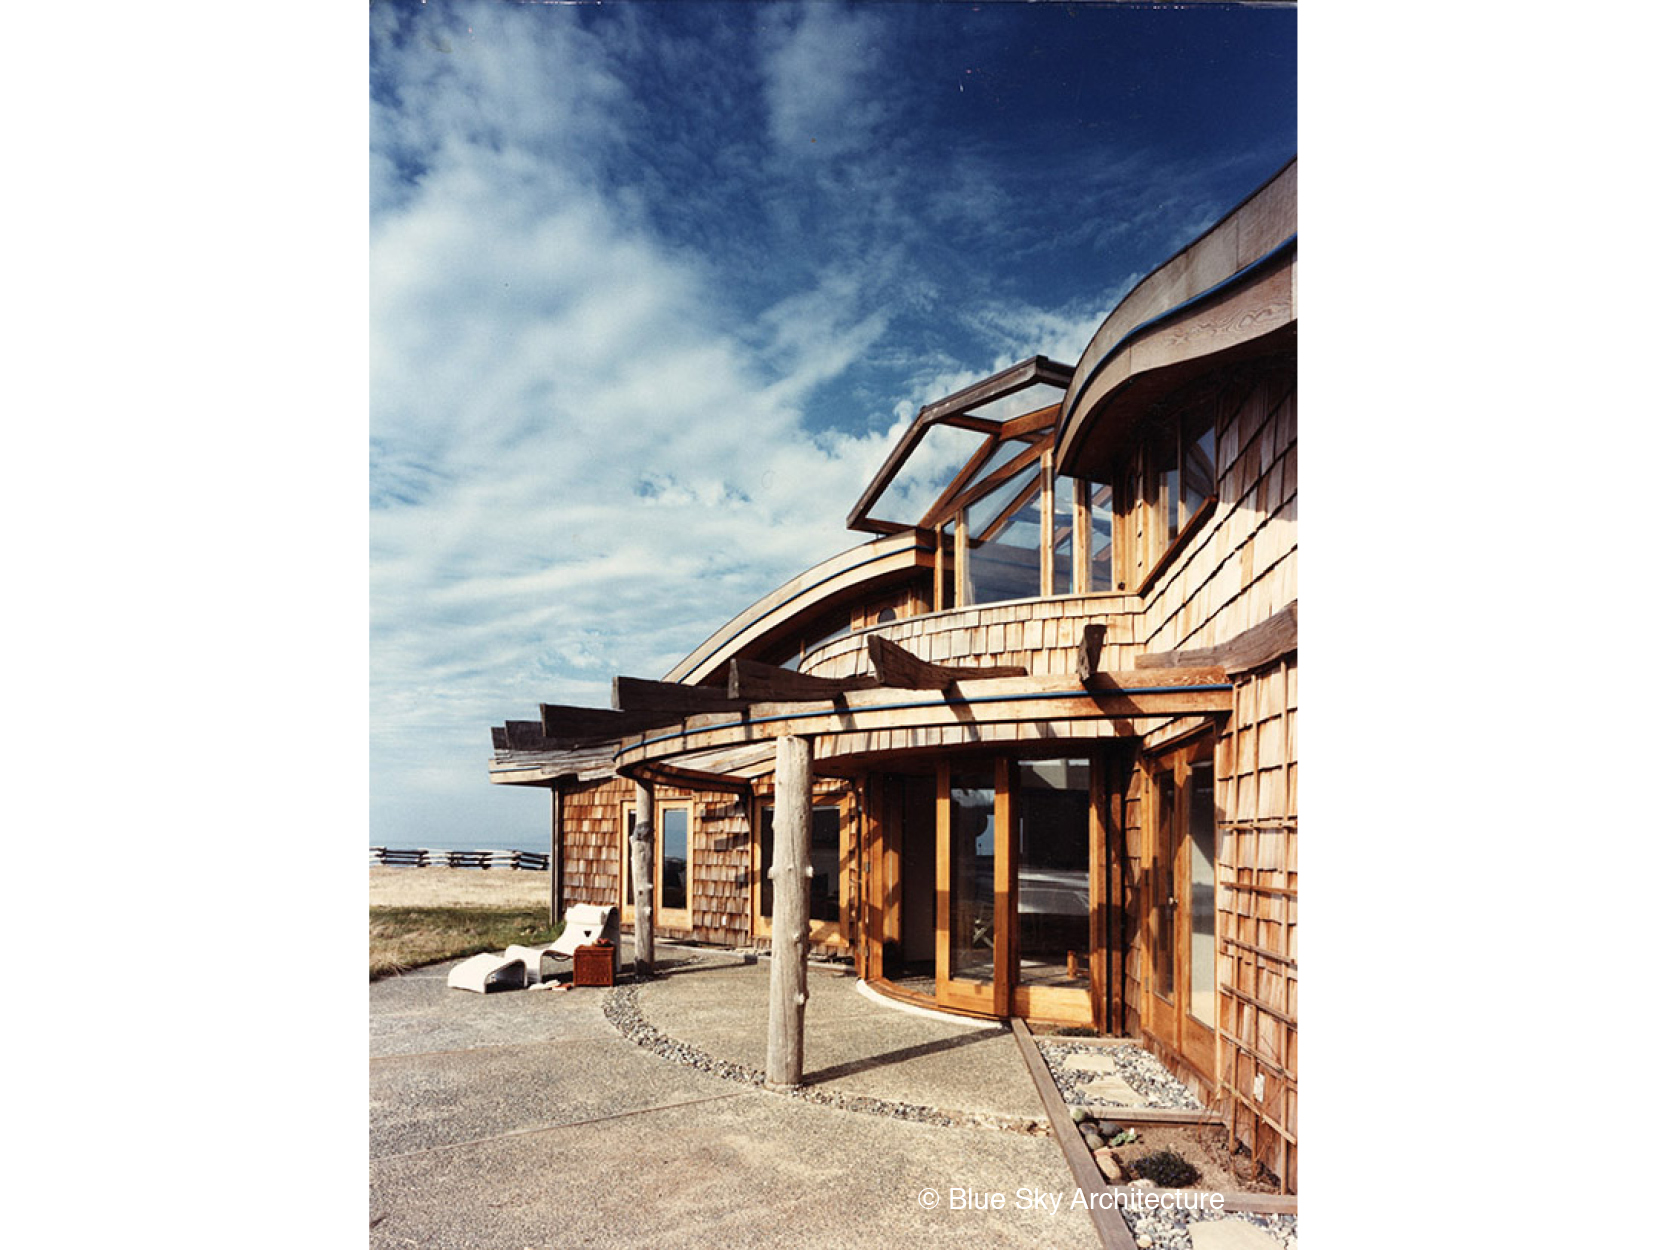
{"x": 526, "y": 1119}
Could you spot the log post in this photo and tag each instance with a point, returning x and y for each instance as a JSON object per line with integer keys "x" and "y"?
{"x": 790, "y": 871}
{"x": 642, "y": 880}
{"x": 555, "y": 853}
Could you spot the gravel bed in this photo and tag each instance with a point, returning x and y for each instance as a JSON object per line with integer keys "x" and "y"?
{"x": 1168, "y": 1229}
{"x": 1141, "y": 1069}
{"x": 622, "y": 1010}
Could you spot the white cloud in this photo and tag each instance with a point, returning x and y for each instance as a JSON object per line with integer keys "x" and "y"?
{"x": 820, "y": 64}
{"x": 590, "y": 432}
{"x": 580, "y": 467}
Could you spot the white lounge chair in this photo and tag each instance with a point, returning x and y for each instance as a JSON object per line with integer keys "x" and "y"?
{"x": 486, "y": 971}
{"x": 584, "y": 925}
{"x": 521, "y": 966}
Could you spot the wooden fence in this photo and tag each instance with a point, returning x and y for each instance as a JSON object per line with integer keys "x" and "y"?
{"x": 534, "y": 861}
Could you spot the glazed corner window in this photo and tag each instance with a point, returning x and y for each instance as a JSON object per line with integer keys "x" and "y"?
{"x": 1180, "y": 472}
{"x": 1004, "y": 543}
{"x": 824, "y": 861}
{"x": 1183, "y": 472}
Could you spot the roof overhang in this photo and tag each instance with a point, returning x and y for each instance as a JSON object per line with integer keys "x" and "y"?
{"x": 849, "y": 576}
{"x": 1228, "y": 296}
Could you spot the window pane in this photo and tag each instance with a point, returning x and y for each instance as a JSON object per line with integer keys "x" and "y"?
{"x": 1199, "y": 476}
{"x": 982, "y": 514}
{"x": 946, "y": 563}
{"x": 1166, "y": 480}
{"x": 1163, "y": 891}
{"x": 1053, "y": 872}
{"x": 972, "y": 877}
{"x": 1004, "y": 455}
{"x": 1201, "y": 871}
{"x": 1101, "y": 573}
{"x": 824, "y": 862}
{"x": 1033, "y": 397}
{"x": 674, "y": 859}
{"x": 942, "y": 453}
{"x": 766, "y": 858}
{"x": 1064, "y": 534}
{"x": 1008, "y": 564}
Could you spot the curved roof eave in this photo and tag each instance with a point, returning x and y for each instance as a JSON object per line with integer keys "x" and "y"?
{"x": 813, "y": 592}
{"x": 1191, "y": 308}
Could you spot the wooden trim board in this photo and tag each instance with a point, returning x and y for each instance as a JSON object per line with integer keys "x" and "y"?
{"x": 1108, "y": 1222}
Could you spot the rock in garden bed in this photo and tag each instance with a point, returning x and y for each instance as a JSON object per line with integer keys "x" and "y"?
{"x": 1152, "y": 1084}
{"x": 1170, "y": 1230}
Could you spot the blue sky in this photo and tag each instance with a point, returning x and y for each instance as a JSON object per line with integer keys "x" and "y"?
{"x": 654, "y": 287}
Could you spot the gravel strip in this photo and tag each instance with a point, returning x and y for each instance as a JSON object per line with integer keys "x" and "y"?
{"x": 1141, "y": 1069}
{"x": 624, "y": 1013}
{"x": 1168, "y": 1229}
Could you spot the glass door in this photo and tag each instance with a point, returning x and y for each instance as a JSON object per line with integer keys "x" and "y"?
{"x": 671, "y": 867}
{"x": 1181, "y": 905}
{"x": 974, "y": 965}
{"x": 1162, "y": 911}
{"x": 1198, "y": 955}
{"x": 1055, "y": 904}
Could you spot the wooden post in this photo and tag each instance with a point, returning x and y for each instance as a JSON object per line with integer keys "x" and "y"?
{"x": 1047, "y": 521}
{"x": 555, "y": 853}
{"x": 642, "y": 880}
{"x": 790, "y": 870}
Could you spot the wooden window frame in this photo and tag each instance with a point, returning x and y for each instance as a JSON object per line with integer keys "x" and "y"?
{"x": 680, "y": 918}
{"x": 627, "y": 899}
{"x": 1143, "y": 520}
{"x": 822, "y": 932}
{"x": 677, "y": 918}
{"x": 1170, "y": 1020}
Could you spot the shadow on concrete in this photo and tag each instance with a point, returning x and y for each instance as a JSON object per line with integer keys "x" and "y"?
{"x": 897, "y": 1056}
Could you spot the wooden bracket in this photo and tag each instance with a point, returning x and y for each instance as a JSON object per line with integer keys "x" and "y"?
{"x": 1088, "y": 650}
{"x": 893, "y": 666}
{"x": 750, "y": 681}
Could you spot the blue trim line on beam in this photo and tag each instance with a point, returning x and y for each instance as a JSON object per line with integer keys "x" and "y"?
{"x": 1238, "y": 276}
{"x": 800, "y": 593}
{"x": 956, "y": 702}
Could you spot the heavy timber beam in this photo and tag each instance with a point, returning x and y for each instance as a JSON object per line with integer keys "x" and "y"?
{"x": 755, "y": 682}
{"x": 564, "y": 724}
{"x": 1258, "y": 645}
{"x": 1011, "y": 700}
{"x": 790, "y": 871}
{"x": 894, "y": 666}
{"x": 636, "y": 694}
{"x": 642, "y": 880}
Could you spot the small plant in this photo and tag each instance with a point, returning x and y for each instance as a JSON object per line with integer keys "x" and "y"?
{"x": 1165, "y": 1168}
{"x": 1075, "y": 1030}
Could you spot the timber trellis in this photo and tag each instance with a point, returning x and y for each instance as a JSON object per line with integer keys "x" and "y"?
{"x": 1049, "y": 722}
{"x": 531, "y": 861}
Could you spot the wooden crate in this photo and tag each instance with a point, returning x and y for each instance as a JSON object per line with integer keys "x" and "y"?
{"x": 594, "y": 965}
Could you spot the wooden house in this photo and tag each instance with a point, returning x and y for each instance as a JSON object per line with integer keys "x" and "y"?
{"x": 1052, "y": 720}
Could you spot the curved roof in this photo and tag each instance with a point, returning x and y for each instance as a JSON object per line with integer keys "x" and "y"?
{"x": 817, "y": 590}
{"x": 1225, "y": 294}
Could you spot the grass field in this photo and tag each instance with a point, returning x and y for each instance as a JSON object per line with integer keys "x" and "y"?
{"x": 426, "y": 915}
